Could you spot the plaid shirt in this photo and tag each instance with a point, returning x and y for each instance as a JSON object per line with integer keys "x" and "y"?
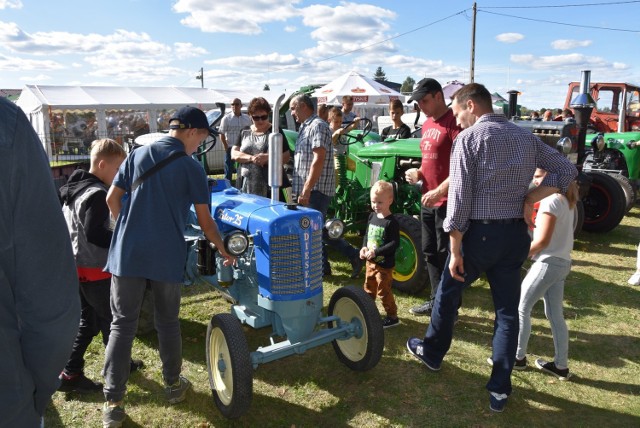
{"x": 314, "y": 133}
{"x": 492, "y": 165}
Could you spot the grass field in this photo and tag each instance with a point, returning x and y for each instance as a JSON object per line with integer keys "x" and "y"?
{"x": 315, "y": 390}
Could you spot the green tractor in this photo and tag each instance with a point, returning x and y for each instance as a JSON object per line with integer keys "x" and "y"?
{"x": 366, "y": 160}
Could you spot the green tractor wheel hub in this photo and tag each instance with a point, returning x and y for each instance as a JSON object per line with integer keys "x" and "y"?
{"x": 406, "y": 261}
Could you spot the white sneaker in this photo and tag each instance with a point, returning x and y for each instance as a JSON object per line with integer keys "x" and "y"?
{"x": 635, "y": 279}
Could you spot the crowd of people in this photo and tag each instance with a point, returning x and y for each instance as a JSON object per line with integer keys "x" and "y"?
{"x": 101, "y": 250}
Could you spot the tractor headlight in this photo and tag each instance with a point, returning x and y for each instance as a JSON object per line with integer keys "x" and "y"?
{"x": 236, "y": 243}
{"x": 335, "y": 228}
{"x": 598, "y": 143}
{"x": 565, "y": 145}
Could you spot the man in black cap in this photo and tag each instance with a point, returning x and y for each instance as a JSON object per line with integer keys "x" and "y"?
{"x": 438, "y": 133}
{"x": 160, "y": 182}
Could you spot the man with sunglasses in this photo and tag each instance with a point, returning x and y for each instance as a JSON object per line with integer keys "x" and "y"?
{"x": 230, "y": 126}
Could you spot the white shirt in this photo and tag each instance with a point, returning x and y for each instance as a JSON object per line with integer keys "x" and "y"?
{"x": 231, "y": 125}
{"x": 561, "y": 242}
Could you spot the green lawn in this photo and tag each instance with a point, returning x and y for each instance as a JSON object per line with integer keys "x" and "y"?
{"x": 316, "y": 390}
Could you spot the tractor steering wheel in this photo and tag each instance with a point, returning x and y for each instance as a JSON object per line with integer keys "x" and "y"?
{"x": 206, "y": 146}
{"x": 352, "y": 139}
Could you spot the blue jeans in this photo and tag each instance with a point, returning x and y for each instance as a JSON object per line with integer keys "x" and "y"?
{"x": 545, "y": 280}
{"x": 127, "y": 294}
{"x": 499, "y": 251}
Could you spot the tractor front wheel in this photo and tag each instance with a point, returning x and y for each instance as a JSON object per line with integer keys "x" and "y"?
{"x": 364, "y": 350}
{"x": 229, "y": 366}
{"x": 410, "y": 272}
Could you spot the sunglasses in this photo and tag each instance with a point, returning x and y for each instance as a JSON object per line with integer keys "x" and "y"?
{"x": 258, "y": 118}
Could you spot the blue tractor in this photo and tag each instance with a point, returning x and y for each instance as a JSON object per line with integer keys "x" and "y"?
{"x": 277, "y": 282}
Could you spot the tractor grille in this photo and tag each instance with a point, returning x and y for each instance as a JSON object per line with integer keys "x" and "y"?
{"x": 287, "y": 269}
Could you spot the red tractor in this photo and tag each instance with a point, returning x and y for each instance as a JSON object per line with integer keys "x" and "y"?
{"x": 617, "y": 106}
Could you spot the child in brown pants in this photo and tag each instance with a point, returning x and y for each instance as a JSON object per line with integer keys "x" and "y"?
{"x": 379, "y": 249}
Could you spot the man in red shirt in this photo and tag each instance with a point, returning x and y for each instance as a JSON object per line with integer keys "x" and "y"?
{"x": 438, "y": 133}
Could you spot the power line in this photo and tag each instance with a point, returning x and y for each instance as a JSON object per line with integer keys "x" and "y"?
{"x": 564, "y": 5}
{"x": 562, "y": 23}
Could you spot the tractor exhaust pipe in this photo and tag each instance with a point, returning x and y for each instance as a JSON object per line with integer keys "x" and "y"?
{"x": 275, "y": 153}
{"x": 582, "y": 106}
{"x": 513, "y": 104}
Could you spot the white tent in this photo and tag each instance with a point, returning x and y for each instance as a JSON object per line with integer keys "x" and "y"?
{"x": 41, "y": 102}
{"x": 365, "y": 91}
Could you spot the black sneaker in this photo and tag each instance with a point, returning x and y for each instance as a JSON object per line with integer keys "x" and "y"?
{"x": 78, "y": 383}
{"x": 135, "y": 365}
{"x": 422, "y": 310}
{"x": 518, "y": 365}
{"x": 550, "y": 367}
{"x": 356, "y": 267}
{"x": 390, "y": 322}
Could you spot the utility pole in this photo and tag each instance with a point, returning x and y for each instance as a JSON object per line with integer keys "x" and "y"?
{"x": 473, "y": 44}
{"x": 201, "y": 77}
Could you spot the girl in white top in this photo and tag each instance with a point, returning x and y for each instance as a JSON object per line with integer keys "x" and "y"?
{"x": 551, "y": 252}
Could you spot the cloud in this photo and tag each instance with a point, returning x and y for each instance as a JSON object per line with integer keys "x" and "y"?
{"x": 10, "y": 4}
{"x": 575, "y": 61}
{"x": 346, "y": 28}
{"x": 10, "y": 63}
{"x": 261, "y": 62}
{"x": 563, "y": 44}
{"x": 38, "y": 78}
{"x": 509, "y": 37}
{"x": 290, "y": 28}
{"x": 234, "y": 16}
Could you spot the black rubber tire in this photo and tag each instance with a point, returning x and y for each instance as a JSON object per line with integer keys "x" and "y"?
{"x": 627, "y": 188}
{"x": 231, "y": 386}
{"x": 604, "y": 205}
{"x": 352, "y": 304}
{"x": 414, "y": 278}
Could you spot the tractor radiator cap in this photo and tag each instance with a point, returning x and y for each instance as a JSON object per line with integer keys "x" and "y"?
{"x": 231, "y": 191}
{"x": 291, "y": 206}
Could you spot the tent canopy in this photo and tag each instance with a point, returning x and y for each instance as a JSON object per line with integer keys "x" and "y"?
{"x": 365, "y": 91}
{"x": 40, "y": 101}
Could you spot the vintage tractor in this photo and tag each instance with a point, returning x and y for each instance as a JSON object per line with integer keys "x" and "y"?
{"x": 603, "y": 201}
{"x": 277, "y": 282}
{"x": 616, "y": 106}
{"x": 365, "y": 161}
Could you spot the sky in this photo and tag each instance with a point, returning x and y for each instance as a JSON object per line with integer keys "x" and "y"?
{"x": 535, "y": 47}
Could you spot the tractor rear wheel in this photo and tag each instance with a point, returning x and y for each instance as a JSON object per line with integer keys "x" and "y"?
{"x": 410, "y": 272}
{"x": 604, "y": 204}
{"x": 229, "y": 366}
{"x": 364, "y": 350}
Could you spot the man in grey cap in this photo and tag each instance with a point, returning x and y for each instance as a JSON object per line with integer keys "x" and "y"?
{"x": 438, "y": 133}
{"x": 161, "y": 182}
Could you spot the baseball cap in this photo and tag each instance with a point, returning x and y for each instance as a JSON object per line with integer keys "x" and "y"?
{"x": 190, "y": 118}
{"x": 424, "y": 87}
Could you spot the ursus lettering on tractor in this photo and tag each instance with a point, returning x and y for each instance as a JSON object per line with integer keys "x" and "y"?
{"x": 277, "y": 283}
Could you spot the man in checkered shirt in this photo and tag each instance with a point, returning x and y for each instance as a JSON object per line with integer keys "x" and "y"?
{"x": 314, "y": 180}
{"x": 490, "y": 206}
